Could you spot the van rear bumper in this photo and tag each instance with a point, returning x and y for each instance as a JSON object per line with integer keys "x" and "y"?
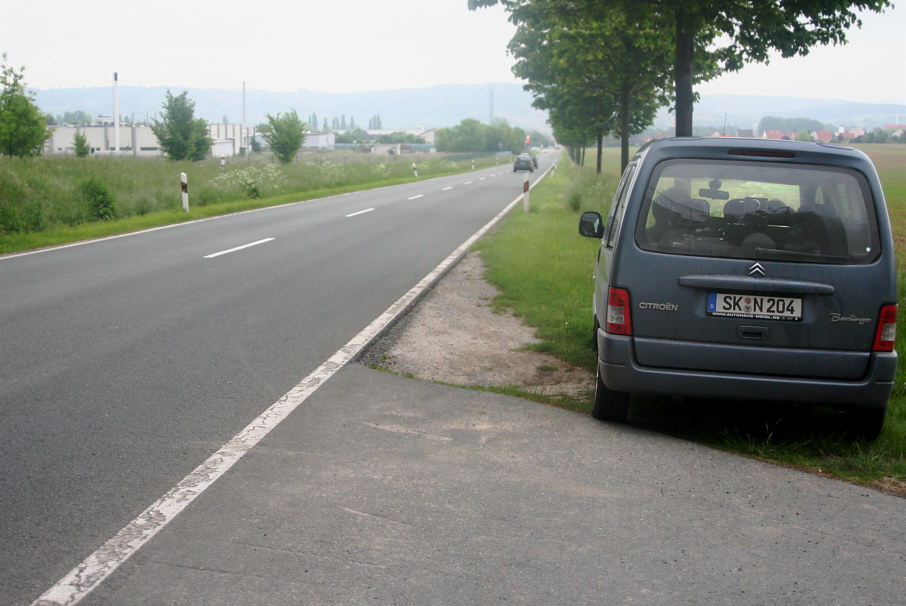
{"x": 621, "y": 372}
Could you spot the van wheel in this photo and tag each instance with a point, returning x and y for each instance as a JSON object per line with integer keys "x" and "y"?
{"x": 609, "y": 405}
{"x": 864, "y": 423}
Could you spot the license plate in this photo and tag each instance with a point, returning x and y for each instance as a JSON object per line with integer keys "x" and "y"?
{"x": 757, "y": 307}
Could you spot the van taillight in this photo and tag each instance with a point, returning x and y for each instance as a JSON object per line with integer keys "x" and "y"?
{"x": 887, "y": 329}
{"x": 618, "y": 320}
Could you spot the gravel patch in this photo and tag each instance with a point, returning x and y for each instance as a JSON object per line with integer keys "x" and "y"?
{"x": 454, "y": 336}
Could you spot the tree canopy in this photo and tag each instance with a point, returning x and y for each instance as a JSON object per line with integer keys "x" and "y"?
{"x": 23, "y": 128}
{"x": 590, "y": 89}
{"x": 699, "y": 38}
{"x": 285, "y": 134}
{"x": 473, "y": 136}
{"x": 180, "y": 134}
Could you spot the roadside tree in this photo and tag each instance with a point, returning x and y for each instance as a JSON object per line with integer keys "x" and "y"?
{"x": 23, "y": 128}
{"x": 180, "y": 134}
{"x": 285, "y": 134}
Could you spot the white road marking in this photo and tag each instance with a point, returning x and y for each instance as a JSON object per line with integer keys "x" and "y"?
{"x": 467, "y": 183}
{"x": 231, "y": 250}
{"x": 415, "y": 197}
{"x": 94, "y": 569}
{"x": 448, "y": 188}
{"x": 361, "y": 212}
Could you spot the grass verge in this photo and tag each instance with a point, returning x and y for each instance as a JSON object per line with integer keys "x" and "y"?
{"x": 544, "y": 269}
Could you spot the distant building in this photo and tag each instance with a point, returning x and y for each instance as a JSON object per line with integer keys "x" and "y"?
{"x": 320, "y": 141}
{"x": 140, "y": 141}
{"x": 134, "y": 140}
{"x": 230, "y": 139}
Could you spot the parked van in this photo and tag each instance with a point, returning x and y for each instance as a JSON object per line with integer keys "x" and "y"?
{"x": 739, "y": 269}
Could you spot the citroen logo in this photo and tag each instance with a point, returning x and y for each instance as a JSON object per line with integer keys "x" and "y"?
{"x": 756, "y": 269}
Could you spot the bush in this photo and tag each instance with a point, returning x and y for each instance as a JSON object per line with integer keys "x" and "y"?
{"x": 101, "y": 205}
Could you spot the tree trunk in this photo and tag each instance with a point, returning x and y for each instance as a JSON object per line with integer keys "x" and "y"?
{"x": 625, "y": 108}
{"x": 600, "y": 150}
{"x": 682, "y": 75}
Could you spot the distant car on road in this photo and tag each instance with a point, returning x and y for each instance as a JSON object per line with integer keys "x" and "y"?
{"x": 745, "y": 269}
{"x": 523, "y": 162}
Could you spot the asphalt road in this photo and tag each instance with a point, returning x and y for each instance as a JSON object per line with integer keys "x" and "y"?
{"x": 126, "y": 362}
{"x": 386, "y": 490}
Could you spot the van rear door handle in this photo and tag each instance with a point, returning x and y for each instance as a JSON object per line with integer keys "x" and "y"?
{"x": 753, "y": 332}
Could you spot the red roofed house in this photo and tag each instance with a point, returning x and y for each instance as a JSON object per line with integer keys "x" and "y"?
{"x": 772, "y": 134}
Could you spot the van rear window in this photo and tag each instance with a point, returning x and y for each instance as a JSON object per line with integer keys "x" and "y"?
{"x": 758, "y": 210}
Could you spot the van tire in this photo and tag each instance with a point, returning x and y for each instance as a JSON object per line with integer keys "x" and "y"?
{"x": 864, "y": 423}
{"x": 609, "y": 405}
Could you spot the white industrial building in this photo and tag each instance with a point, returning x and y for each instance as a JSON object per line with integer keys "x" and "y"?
{"x": 229, "y": 139}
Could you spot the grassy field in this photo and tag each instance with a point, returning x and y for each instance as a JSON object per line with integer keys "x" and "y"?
{"x": 544, "y": 271}
{"x": 46, "y": 201}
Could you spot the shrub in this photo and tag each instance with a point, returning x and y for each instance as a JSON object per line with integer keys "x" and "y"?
{"x": 101, "y": 205}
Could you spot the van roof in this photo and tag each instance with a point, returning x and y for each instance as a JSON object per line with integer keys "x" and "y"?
{"x": 779, "y": 149}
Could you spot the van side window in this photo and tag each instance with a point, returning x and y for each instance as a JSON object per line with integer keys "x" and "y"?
{"x": 745, "y": 210}
{"x": 618, "y": 207}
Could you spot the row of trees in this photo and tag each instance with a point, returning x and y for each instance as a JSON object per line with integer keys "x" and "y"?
{"x": 473, "y": 136}
{"x": 604, "y": 66}
{"x": 361, "y": 136}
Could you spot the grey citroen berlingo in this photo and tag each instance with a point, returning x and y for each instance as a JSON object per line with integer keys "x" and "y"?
{"x": 746, "y": 269}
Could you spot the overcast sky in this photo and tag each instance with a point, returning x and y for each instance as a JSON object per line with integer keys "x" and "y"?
{"x": 364, "y": 45}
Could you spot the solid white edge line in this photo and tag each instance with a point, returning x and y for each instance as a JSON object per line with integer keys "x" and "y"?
{"x": 94, "y": 569}
{"x": 237, "y": 248}
{"x": 361, "y": 212}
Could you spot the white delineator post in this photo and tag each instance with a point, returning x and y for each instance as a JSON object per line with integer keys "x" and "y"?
{"x": 185, "y": 191}
{"x": 525, "y": 195}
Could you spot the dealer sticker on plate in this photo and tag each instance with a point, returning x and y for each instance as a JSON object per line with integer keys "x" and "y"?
{"x": 759, "y": 307}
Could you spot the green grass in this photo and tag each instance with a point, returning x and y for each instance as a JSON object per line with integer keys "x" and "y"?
{"x": 543, "y": 269}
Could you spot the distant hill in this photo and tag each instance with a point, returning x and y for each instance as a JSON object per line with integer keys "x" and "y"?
{"x": 437, "y": 106}
{"x": 445, "y": 105}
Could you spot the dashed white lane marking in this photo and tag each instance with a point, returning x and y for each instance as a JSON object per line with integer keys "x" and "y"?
{"x": 232, "y": 250}
{"x": 85, "y": 577}
{"x": 467, "y": 183}
{"x": 361, "y": 212}
{"x": 448, "y": 188}
{"x": 415, "y": 197}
